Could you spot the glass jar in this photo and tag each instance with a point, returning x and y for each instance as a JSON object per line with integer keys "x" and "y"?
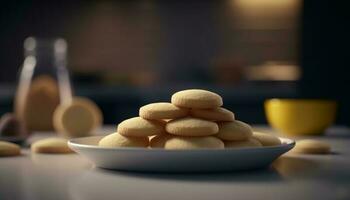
{"x": 43, "y": 83}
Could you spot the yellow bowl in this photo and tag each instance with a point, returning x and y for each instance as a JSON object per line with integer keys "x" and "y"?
{"x": 300, "y": 116}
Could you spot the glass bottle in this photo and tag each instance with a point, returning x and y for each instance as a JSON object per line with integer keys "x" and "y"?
{"x": 43, "y": 83}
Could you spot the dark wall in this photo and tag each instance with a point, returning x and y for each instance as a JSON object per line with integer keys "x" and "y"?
{"x": 323, "y": 56}
{"x": 20, "y": 19}
{"x": 186, "y": 43}
{"x": 325, "y": 53}
{"x": 165, "y": 41}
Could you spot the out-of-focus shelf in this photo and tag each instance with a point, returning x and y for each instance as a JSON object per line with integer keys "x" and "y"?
{"x": 120, "y": 102}
{"x": 243, "y": 91}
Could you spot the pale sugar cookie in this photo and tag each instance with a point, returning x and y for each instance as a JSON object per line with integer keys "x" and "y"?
{"x": 162, "y": 110}
{"x": 139, "y": 127}
{"x": 235, "y": 130}
{"x": 78, "y": 118}
{"x": 9, "y": 149}
{"x": 117, "y": 140}
{"x": 191, "y": 127}
{"x": 251, "y": 142}
{"x": 196, "y": 98}
{"x": 51, "y": 145}
{"x": 266, "y": 139}
{"x": 158, "y": 141}
{"x": 309, "y": 146}
{"x": 208, "y": 142}
{"x": 216, "y": 114}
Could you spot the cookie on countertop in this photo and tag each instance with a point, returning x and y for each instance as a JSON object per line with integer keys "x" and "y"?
{"x": 235, "y": 131}
{"x": 117, "y": 140}
{"x": 139, "y": 127}
{"x": 208, "y": 142}
{"x": 267, "y": 139}
{"x": 251, "y": 142}
{"x": 51, "y": 146}
{"x": 77, "y": 119}
{"x": 309, "y": 146}
{"x": 196, "y": 98}
{"x": 9, "y": 149}
{"x": 216, "y": 114}
{"x": 190, "y": 126}
{"x": 162, "y": 110}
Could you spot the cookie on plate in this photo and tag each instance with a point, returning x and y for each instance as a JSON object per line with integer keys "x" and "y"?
{"x": 158, "y": 141}
{"x": 267, "y": 139}
{"x": 51, "y": 145}
{"x": 196, "y": 98}
{"x": 309, "y": 146}
{"x": 9, "y": 149}
{"x": 251, "y": 142}
{"x": 139, "y": 127}
{"x": 235, "y": 131}
{"x": 208, "y": 142}
{"x": 117, "y": 140}
{"x": 190, "y": 126}
{"x": 162, "y": 110}
{"x": 216, "y": 114}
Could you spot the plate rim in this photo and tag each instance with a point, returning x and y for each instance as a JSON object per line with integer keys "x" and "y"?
{"x": 289, "y": 143}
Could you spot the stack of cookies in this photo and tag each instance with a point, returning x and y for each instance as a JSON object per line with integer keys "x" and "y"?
{"x": 194, "y": 119}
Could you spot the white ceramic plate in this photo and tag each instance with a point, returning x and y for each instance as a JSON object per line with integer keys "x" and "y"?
{"x": 160, "y": 160}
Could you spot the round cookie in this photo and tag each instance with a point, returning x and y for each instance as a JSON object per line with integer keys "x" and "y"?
{"x": 51, "y": 145}
{"x": 117, "y": 140}
{"x": 267, "y": 139}
{"x": 208, "y": 142}
{"x": 78, "y": 118}
{"x": 234, "y": 131}
{"x": 162, "y": 110}
{"x": 139, "y": 127}
{"x": 216, "y": 114}
{"x": 196, "y": 98}
{"x": 191, "y": 127}
{"x": 251, "y": 142}
{"x": 9, "y": 149}
{"x": 309, "y": 146}
{"x": 158, "y": 141}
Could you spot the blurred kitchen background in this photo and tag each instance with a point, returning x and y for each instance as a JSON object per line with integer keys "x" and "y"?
{"x": 123, "y": 54}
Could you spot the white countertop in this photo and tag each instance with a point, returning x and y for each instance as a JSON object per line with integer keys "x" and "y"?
{"x": 72, "y": 177}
